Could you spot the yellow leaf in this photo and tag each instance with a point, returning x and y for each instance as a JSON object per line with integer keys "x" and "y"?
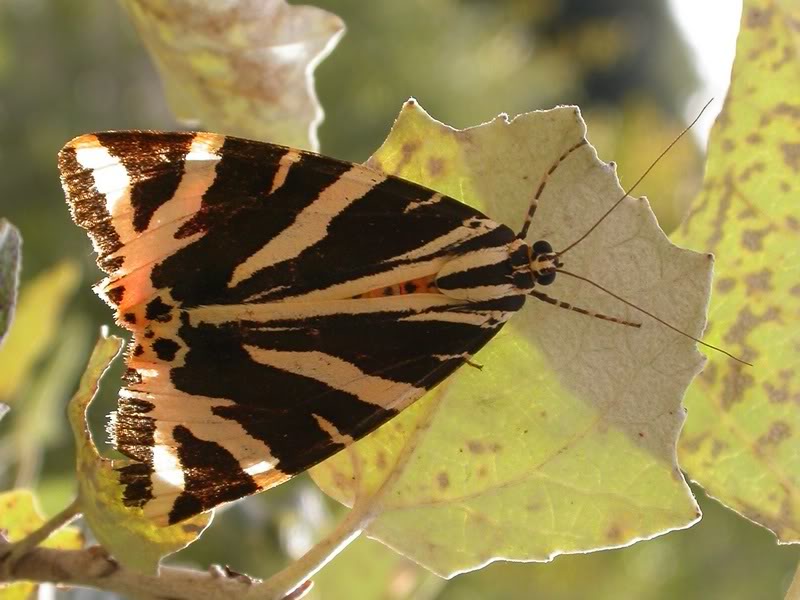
{"x": 565, "y": 440}
{"x": 20, "y": 516}
{"x": 741, "y": 440}
{"x": 125, "y": 532}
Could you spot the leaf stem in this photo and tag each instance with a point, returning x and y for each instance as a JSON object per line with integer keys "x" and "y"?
{"x": 793, "y": 593}
{"x": 296, "y": 574}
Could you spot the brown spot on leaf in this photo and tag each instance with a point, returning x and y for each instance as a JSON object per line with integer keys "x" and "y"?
{"x": 734, "y": 385}
{"x": 791, "y": 156}
{"x": 787, "y": 55}
{"x": 708, "y": 375}
{"x": 754, "y": 138}
{"x": 476, "y": 447}
{"x": 725, "y": 285}
{"x": 747, "y": 321}
{"x": 793, "y": 223}
{"x": 757, "y": 17}
{"x": 758, "y": 282}
{"x": 753, "y": 239}
{"x": 748, "y": 213}
{"x": 482, "y": 471}
{"x": 443, "y": 480}
{"x": 191, "y": 528}
{"x": 717, "y": 446}
{"x": 408, "y": 149}
{"x": 380, "y": 460}
{"x": 778, "y": 431}
{"x": 727, "y": 145}
{"x": 775, "y": 394}
{"x": 436, "y": 166}
{"x": 614, "y": 534}
{"x": 725, "y": 196}
{"x": 495, "y": 447}
{"x": 692, "y": 445}
{"x": 785, "y": 186}
{"x": 789, "y": 110}
{"x": 750, "y": 170}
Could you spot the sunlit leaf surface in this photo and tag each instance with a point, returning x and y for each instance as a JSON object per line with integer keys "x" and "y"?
{"x": 741, "y": 440}
{"x": 131, "y": 538}
{"x": 565, "y": 440}
{"x": 241, "y": 67}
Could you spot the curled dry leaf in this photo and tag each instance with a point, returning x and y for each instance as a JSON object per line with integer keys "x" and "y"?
{"x": 241, "y": 67}
{"x": 742, "y": 440}
{"x": 565, "y": 440}
{"x": 10, "y": 258}
{"x": 124, "y": 532}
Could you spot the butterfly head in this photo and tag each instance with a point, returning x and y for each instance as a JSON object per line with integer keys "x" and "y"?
{"x": 543, "y": 262}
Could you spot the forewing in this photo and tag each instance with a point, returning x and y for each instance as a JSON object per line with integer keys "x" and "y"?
{"x": 195, "y": 218}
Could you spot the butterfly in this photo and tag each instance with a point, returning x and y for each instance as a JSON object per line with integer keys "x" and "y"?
{"x": 283, "y": 304}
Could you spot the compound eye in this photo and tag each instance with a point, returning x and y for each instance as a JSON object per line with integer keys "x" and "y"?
{"x": 542, "y": 247}
{"x": 547, "y": 278}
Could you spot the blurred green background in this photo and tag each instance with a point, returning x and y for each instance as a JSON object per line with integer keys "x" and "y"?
{"x": 71, "y": 67}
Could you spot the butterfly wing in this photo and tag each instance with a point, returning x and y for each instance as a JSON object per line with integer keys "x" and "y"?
{"x": 246, "y": 273}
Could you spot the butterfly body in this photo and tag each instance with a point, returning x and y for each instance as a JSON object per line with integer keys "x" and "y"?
{"x": 282, "y": 304}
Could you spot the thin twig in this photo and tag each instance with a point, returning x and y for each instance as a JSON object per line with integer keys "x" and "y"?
{"x": 793, "y": 593}
{"x": 93, "y": 567}
{"x": 289, "y": 579}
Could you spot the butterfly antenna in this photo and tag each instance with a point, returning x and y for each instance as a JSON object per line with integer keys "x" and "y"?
{"x": 652, "y": 316}
{"x": 523, "y": 233}
{"x": 638, "y": 181}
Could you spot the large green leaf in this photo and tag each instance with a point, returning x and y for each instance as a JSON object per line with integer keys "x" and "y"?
{"x": 565, "y": 440}
{"x": 741, "y": 440}
{"x": 125, "y": 532}
{"x": 242, "y": 67}
{"x": 10, "y": 259}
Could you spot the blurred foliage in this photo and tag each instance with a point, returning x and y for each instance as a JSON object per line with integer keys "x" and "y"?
{"x": 71, "y": 67}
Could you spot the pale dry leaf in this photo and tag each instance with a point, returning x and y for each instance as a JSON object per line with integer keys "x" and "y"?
{"x": 240, "y": 67}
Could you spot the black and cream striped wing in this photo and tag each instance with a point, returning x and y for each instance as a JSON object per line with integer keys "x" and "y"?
{"x": 281, "y": 303}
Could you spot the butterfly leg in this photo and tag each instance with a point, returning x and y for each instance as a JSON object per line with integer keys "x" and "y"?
{"x": 583, "y": 311}
{"x": 535, "y": 201}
